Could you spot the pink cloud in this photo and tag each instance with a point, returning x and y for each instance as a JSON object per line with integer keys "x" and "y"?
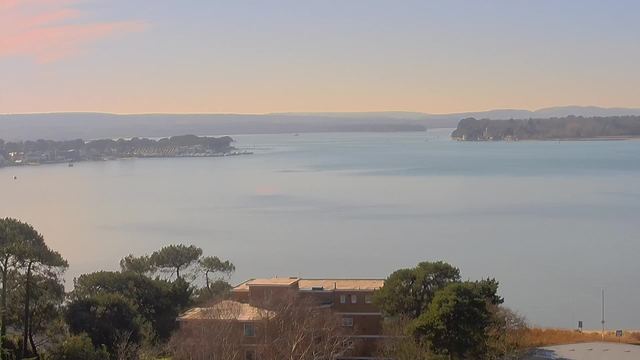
{"x": 49, "y": 18}
{"x": 48, "y": 36}
{"x": 55, "y": 43}
{"x": 8, "y": 4}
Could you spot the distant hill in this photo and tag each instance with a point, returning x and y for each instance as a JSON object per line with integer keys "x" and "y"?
{"x": 65, "y": 126}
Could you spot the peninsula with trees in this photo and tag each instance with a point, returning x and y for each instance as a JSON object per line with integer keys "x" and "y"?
{"x": 564, "y": 128}
{"x": 49, "y": 151}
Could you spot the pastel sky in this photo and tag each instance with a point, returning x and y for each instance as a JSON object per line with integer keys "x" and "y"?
{"x": 190, "y": 56}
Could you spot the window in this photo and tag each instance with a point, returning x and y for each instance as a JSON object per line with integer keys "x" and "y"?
{"x": 248, "y": 355}
{"x": 347, "y": 321}
{"x": 343, "y": 299}
{"x": 347, "y": 344}
{"x": 368, "y": 299}
{"x": 354, "y": 299}
{"x": 249, "y": 330}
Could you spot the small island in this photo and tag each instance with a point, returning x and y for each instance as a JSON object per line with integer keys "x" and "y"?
{"x": 565, "y": 128}
{"x": 49, "y": 151}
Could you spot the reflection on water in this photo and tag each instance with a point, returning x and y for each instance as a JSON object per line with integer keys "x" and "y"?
{"x": 555, "y": 223}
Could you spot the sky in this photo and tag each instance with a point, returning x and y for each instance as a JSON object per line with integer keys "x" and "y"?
{"x": 168, "y": 56}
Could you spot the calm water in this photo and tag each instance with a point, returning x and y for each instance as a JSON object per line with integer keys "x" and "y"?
{"x": 554, "y": 222}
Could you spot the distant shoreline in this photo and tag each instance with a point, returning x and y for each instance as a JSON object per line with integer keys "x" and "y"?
{"x": 570, "y": 128}
{"x": 124, "y": 158}
{"x": 601, "y": 138}
{"x": 41, "y": 152}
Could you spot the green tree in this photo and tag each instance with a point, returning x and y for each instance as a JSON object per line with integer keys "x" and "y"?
{"x": 31, "y": 257}
{"x": 219, "y": 289}
{"x": 398, "y": 343}
{"x": 409, "y": 291}
{"x": 78, "y": 347}
{"x": 456, "y": 321}
{"x": 176, "y": 258}
{"x": 157, "y": 302}
{"x": 9, "y": 231}
{"x": 212, "y": 265}
{"x": 489, "y": 289}
{"x": 38, "y": 260}
{"x": 103, "y": 318}
{"x": 47, "y": 297}
{"x": 141, "y": 265}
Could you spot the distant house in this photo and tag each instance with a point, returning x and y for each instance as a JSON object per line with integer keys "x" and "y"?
{"x": 95, "y": 154}
{"x": 33, "y": 157}
{"x": 49, "y": 155}
{"x": 70, "y": 155}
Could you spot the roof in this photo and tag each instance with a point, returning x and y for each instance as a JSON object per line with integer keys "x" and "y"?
{"x": 327, "y": 284}
{"x": 227, "y": 310}
{"x": 342, "y": 284}
{"x": 274, "y": 281}
{"x": 244, "y": 286}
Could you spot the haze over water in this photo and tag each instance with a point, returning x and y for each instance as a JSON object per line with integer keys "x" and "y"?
{"x": 554, "y": 222}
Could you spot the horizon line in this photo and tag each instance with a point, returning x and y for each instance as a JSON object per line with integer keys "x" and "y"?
{"x": 316, "y": 112}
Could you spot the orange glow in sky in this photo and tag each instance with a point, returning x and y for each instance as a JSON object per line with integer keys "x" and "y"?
{"x": 160, "y": 56}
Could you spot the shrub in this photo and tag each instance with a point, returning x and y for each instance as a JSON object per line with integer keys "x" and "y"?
{"x": 78, "y": 347}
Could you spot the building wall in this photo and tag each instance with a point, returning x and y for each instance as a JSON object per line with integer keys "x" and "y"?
{"x": 365, "y": 324}
{"x": 323, "y": 297}
{"x": 365, "y": 347}
{"x": 241, "y": 296}
{"x": 367, "y": 319}
{"x": 348, "y": 306}
{"x": 259, "y": 294}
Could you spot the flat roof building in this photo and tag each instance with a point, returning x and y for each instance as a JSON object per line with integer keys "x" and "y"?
{"x": 350, "y": 299}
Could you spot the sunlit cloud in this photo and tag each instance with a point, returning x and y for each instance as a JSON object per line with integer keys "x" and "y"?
{"x": 48, "y": 18}
{"x": 52, "y": 32}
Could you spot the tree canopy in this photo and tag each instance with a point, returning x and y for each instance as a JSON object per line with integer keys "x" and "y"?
{"x": 107, "y": 311}
{"x": 431, "y": 312}
{"x": 553, "y": 128}
{"x": 26, "y": 258}
{"x": 212, "y": 265}
{"x": 138, "y": 264}
{"x": 120, "y": 145}
{"x": 456, "y": 321}
{"x": 156, "y": 301}
{"x": 409, "y": 291}
{"x": 176, "y": 258}
{"x": 103, "y": 318}
{"x": 78, "y": 347}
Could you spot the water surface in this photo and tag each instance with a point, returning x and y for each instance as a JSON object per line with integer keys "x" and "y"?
{"x": 554, "y": 222}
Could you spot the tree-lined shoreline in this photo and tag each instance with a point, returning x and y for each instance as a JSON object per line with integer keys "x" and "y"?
{"x": 48, "y": 151}
{"x": 565, "y": 128}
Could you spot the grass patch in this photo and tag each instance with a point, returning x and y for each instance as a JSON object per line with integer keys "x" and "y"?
{"x": 542, "y": 337}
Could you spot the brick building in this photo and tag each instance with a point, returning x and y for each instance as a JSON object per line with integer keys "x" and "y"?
{"x": 350, "y": 299}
